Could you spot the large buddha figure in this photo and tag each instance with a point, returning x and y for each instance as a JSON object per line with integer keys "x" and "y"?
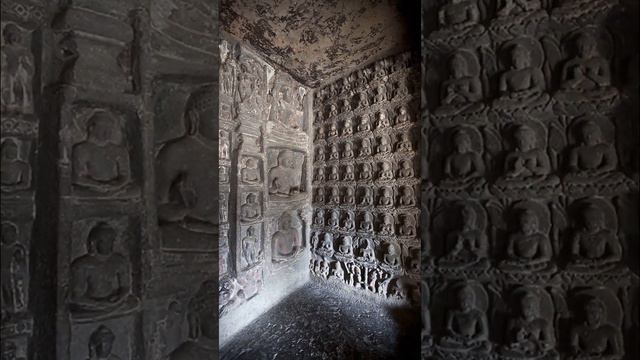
{"x": 462, "y": 92}
{"x": 595, "y": 338}
{"x": 284, "y": 178}
{"x": 526, "y": 165}
{"x": 287, "y": 240}
{"x": 587, "y": 76}
{"x": 594, "y": 247}
{"x": 101, "y": 279}
{"x": 99, "y": 163}
{"x": 15, "y": 173}
{"x": 528, "y": 334}
{"x": 467, "y": 326}
{"x": 523, "y": 85}
{"x": 203, "y": 326}
{"x": 528, "y": 248}
{"x": 468, "y": 245}
{"x": 183, "y": 180}
{"x": 592, "y": 160}
{"x": 464, "y": 166}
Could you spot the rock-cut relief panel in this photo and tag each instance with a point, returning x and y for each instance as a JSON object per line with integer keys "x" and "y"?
{"x": 286, "y": 174}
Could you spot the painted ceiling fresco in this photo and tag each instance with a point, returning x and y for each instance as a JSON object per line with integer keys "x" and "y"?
{"x": 317, "y": 41}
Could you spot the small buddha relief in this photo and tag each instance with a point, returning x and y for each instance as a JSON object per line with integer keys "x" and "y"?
{"x": 365, "y": 147}
{"x": 466, "y": 244}
{"x": 318, "y": 218}
{"x": 462, "y": 92}
{"x": 348, "y": 173}
{"x": 319, "y": 157}
{"x": 466, "y": 325}
{"x": 333, "y": 152}
{"x": 403, "y": 116}
{"x": 401, "y": 89}
{"x": 288, "y": 239}
{"x": 101, "y": 162}
{"x": 382, "y": 120}
{"x": 592, "y": 160}
{"x": 385, "y": 197}
{"x": 251, "y": 209}
{"x": 365, "y": 123}
{"x": 333, "y": 131}
{"x": 366, "y": 222}
{"x": 332, "y": 173}
{"x": 459, "y": 21}
{"x": 406, "y": 170}
{"x": 326, "y": 246}
{"x": 366, "y": 251}
{"x": 365, "y": 172}
{"x": 529, "y": 333}
{"x": 463, "y": 167}
{"x": 101, "y": 279}
{"x": 347, "y": 128}
{"x": 347, "y": 152}
{"x": 386, "y": 170}
{"x": 517, "y": 17}
{"x": 366, "y": 197}
{"x": 406, "y": 197}
{"x": 320, "y": 133}
{"x": 391, "y": 255}
{"x": 349, "y": 221}
{"x": 404, "y": 143}
{"x": 349, "y": 197}
{"x": 345, "y": 246}
{"x": 334, "y": 196}
{"x": 223, "y": 173}
{"x": 318, "y": 176}
{"x": 384, "y": 145}
{"x": 15, "y": 172}
{"x": 387, "y": 225}
{"x": 363, "y": 99}
{"x": 522, "y": 86}
{"x": 528, "y": 247}
{"x": 334, "y": 219}
{"x": 407, "y": 226}
{"x": 595, "y": 328}
{"x": 333, "y": 111}
{"x": 595, "y": 246}
{"x": 251, "y": 170}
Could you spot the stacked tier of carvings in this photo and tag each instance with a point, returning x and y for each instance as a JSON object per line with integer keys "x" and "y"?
{"x": 19, "y": 131}
{"x": 247, "y": 99}
{"x": 520, "y": 187}
{"x": 364, "y": 171}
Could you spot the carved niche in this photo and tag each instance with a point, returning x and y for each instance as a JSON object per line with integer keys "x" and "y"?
{"x": 286, "y": 175}
{"x": 288, "y": 239}
{"x": 16, "y": 172}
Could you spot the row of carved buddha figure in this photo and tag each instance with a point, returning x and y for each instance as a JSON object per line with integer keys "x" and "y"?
{"x": 401, "y": 224}
{"x": 383, "y": 171}
{"x": 368, "y": 146}
{"x": 389, "y": 254}
{"x": 366, "y": 196}
{"x": 364, "y": 98}
{"x": 585, "y": 80}
{"x": 382, "y": 121}
{"x": 589, "y": 162}
{"x": 524, "y": 239}
{"x": 524, "y": 323}
{"x": 360, "y": 79}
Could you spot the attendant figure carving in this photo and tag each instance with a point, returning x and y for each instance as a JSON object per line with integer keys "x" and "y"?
{"x": 17, "y": 72}
{"x": 203, "y": 328}
{"x": 250, "y": 247}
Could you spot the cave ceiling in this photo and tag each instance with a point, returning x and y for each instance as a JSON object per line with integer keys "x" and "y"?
{"x": 318, "y": 41}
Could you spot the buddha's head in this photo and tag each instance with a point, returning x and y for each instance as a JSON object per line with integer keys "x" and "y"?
{"x": 530, "y": 305}
{"x": 99, "y": 128}
{"x": 466, "y": 297}
{"x": 521, "y": 57}
{"x": 529, "y": 222}
{"x": 9, "y": 149}
{"x": 587, "y": 45}
{"x": 101, "y": 343}
{"x": 525, "y": 138}
{"x": 591, "y": 133}
{"x": 458, "y": 66}
{"x": 101, "y": 239}
{"x": 593, "y": 218}
{"x": 594, "y": 311}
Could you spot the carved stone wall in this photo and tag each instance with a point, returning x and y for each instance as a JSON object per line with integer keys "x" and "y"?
{"x": 118, "y": 259}
{"x": 530, "y": 121}
{"x": 265, "y": 188}
{"x": 366, "y": 184}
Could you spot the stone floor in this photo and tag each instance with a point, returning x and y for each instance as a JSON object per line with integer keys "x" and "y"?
{"x": 317, "y": 322}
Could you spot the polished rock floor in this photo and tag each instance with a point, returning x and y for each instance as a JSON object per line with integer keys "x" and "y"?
{"x": 317, "y": 322}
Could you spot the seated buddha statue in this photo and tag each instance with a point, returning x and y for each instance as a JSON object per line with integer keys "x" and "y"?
{"x": 319, "y": 175}
{"x": 391, "y": 257}
{"x": 403, "y": 116}
{"x": 386, "y": 197}
{"x": 250, "y": 210}
{"x": 592, "y": 161}
{"x": 462, "y": 92}
{"x": 333, "y": 152}
{"x": 594, "y": 247}
{"x": 364, "y": 124}
{"x": 327, "y": 243}
{"x": 349, "y": 223}
{"x": 528, "y": 335}
{"x": 386, "y": 173}
{"x": 407, "y": 198}
{"x": 348, "y": 151}
{"x": 407, "y": 226}
{"x": 406, "y": 169}
{"x": 384, "y": 147}
{"x": 333, "y": 173}
{"x": 365, "y": 172}
{"x": 345, "y": 246}
{"x": 319, "y": 135}
{"x": 587, "y": 76}
{"x": 594, "y": 338}
{"x": 251, "y": 174}
{"x": 381, "y": 93}
{"x": 349, "y": 198}
{"x": 348, "y": 128}
{"x": 383, "y": 120}
{"x": 320, "y": 195}
{"x": 334, "y": 196}
{"x": 466, "y": 326}
{"x": 365, "y": 147}
{"x": 387, "y": 225}
{"x": 367, "y": 197}
{"x": 405, "y": 143}
{"x": 348, "y": 173}
{"x": 526, "y": 165}
{"x": 402, "y": 89}
{"x": 318, "y": 219}
{"x": 334, "y": 219}
{"x": 366, "y": 224}
{"x": 523, "y": 85}
{"x": 363, "y": 99}
{"x": 458, "y": 18}
{"x": 319, "y": 154}
{"x": 333, "y": 130}
{"x": 346, "y": 105}
{"x": 528, "y": 249}
{"x": 367, "y": 252}
{"x": 333, "y": 110}
{"x": 463, "y": 167}
{"x": 468, "y": 245}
